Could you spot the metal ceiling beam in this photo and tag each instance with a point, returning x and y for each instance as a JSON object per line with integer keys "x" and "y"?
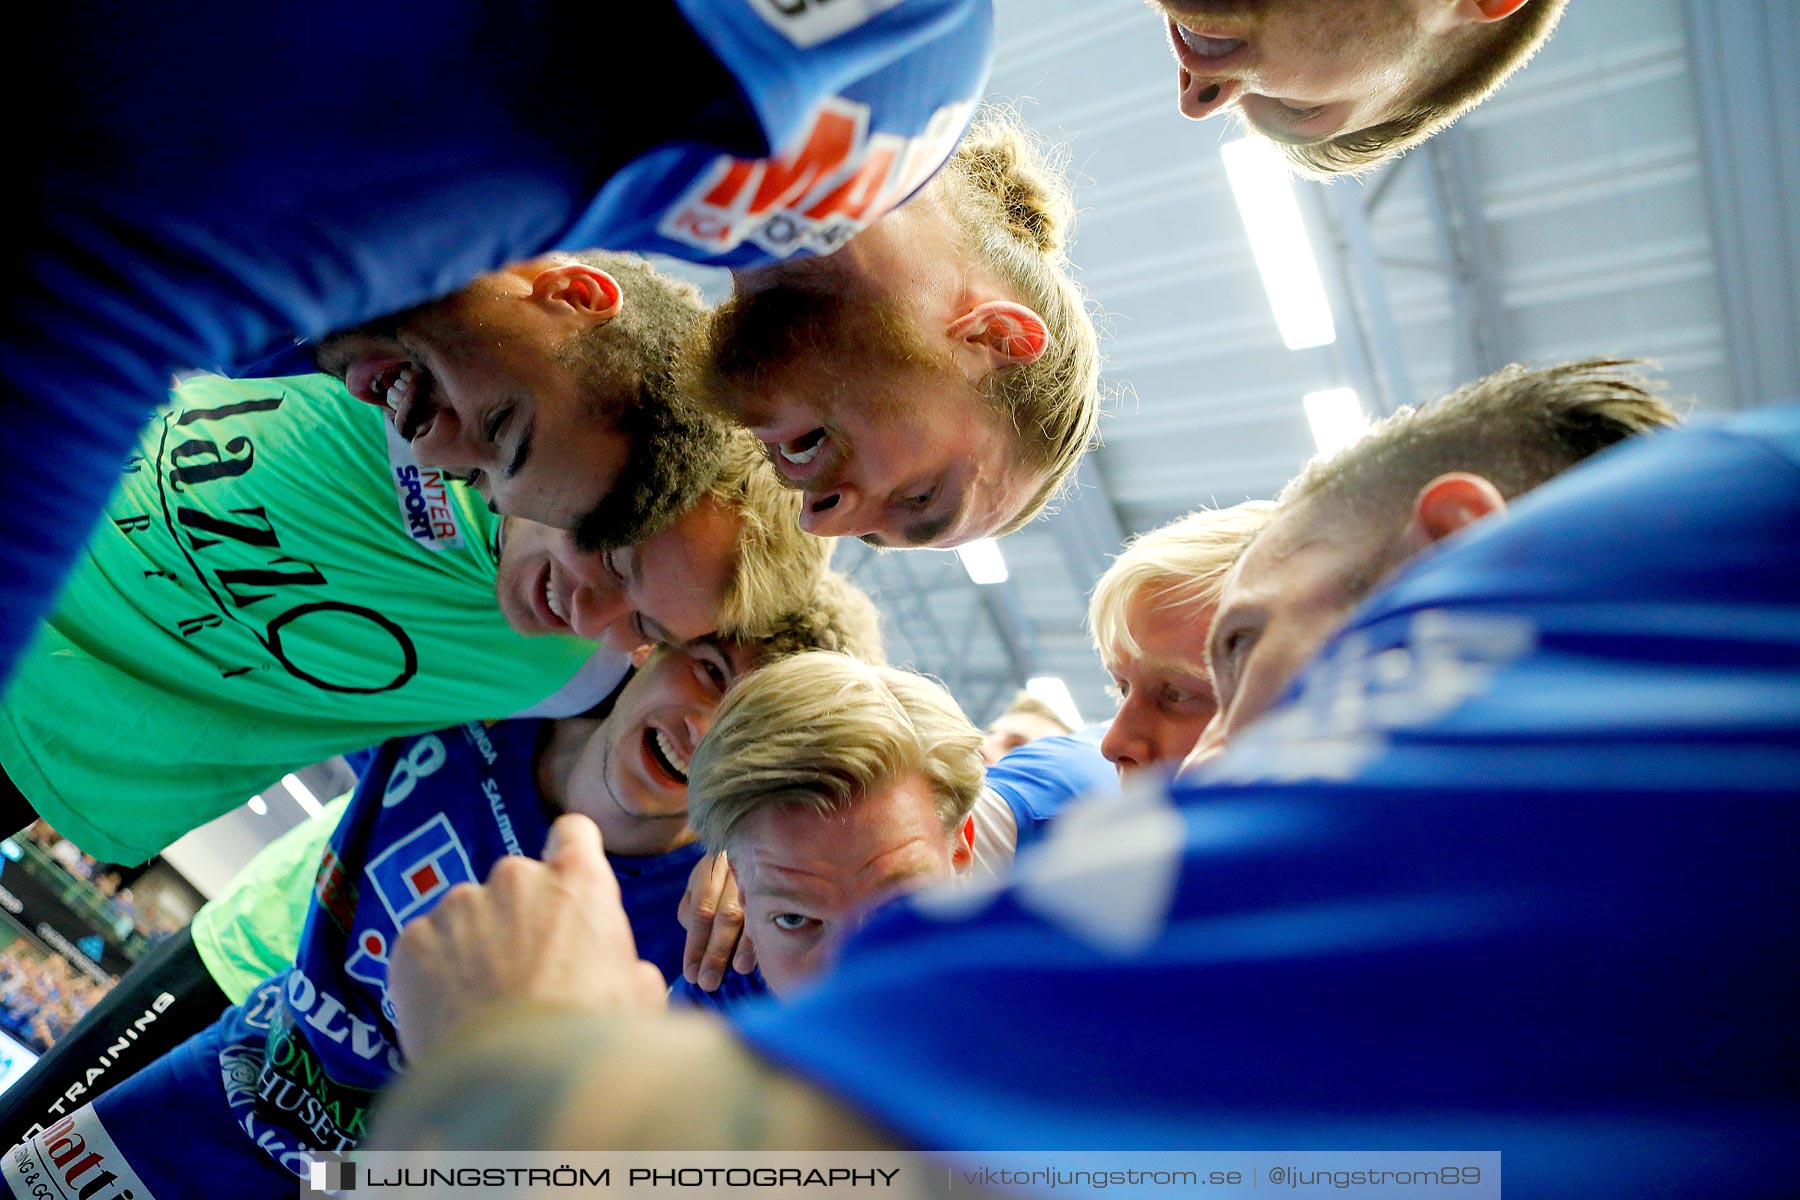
{"x": 1743, "y": 56}
{"x": 914, "y": 611}
{"x": 1477, "y": 301}
{"x": 1087, "y": 527}
{"x": 1355, "y": 287}
{"x": 1347, "y": 212}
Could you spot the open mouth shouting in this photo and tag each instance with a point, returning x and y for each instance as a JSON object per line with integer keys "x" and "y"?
{"x": 550, "y": 599}
{"x": 803, "y": 460}
{"x": 803, "y": 450}
{"x": 667, "y": 756}
{"x": 403, "y": 387}
{"x": 803, "y": 453}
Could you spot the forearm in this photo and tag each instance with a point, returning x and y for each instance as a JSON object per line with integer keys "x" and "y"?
{"x": 536, "y": 1080}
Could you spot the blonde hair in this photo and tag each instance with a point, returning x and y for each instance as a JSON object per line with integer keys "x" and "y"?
{"x": 1024, "y": 704}
{"x": 822, "y": 731}
{"x": 1008, "y": 195}
{"x": 1187, "y": 560}
{"x": 779, "y": 566}
{"x": 1517, "y": 428}
{"x": 1484, "y": 68}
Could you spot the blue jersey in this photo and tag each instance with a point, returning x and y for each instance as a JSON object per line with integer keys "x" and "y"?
{"x": 227, "y": 179}
{"x": 734, "y": 990}
{"x": 1511, "y": 870}
{"x": 431, "y": 812}
{"x": 301, "y": 1059}
{"x": 1041, "y": 778}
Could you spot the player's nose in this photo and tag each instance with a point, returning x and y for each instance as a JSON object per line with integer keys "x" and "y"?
{"x": 1203, "y": 97}
{"x": 839, "y": 512}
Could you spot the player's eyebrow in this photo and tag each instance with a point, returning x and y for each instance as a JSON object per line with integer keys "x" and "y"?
{"x": 929, "y": 530}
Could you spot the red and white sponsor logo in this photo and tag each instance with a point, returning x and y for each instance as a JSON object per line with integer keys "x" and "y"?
{"x": 74, "y": 1159}
{"x": 836, "y": 180}
{"x": 424, "y": 497}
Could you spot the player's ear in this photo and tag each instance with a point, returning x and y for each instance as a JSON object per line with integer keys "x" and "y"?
{"x": 1491, "y": 10}
{"x": 1448, "y": 504}
{"x": 1002, "y": 332}
{"x": 591, "y": 293}
{"x": 962, "y": 855}
{"x": 641, "y": 655}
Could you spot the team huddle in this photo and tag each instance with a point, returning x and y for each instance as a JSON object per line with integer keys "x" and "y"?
{"x": 1404, "y": 762}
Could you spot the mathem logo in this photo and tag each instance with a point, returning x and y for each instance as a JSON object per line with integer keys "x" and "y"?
{"x": 829, "y": 183}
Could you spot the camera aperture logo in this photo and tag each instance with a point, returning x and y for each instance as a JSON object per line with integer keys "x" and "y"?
{"x": 330, "y": 1175}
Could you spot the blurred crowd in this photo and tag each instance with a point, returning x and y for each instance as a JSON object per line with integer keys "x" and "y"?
{"x": 41, "y": 995}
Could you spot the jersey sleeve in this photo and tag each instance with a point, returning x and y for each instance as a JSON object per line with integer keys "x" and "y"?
{"x": 731, "y": 995}
{"x": 858, "y": 104}
{"x": 1041, "y": 778}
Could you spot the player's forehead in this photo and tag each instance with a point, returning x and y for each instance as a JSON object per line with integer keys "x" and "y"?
{"x": 1297, "y": 540}
{"x": 1169, "y": 625}
{"x": 879, "y": 832}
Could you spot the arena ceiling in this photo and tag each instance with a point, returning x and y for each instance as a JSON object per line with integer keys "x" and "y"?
{"x": 1632, "y": 191}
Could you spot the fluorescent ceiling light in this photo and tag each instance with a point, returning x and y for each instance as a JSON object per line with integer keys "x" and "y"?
{"x": 258, "y": 805}
{"x": 981, "y": 558}
{"x": 1337, "y": 418}
{"x": 303, "y": 795}
{"x": 1053, "y": 691}
{"x": 1284, "y": 254}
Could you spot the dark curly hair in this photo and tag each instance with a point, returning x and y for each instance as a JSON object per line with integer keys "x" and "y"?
{"x": 628, "y": 367}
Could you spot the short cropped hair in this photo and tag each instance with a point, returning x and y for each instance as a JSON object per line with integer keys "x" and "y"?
{"x": 1010, "y": 199}
{"x": 822, "y": 731}
{"x": 1517, "y": 428}
{"x": 839, "y": 616}
{"x": 1186, "y": 560}
{"x": 779, "y": 565}
{"x": 1481, "y": 70}
{"x": 629, "y": 369}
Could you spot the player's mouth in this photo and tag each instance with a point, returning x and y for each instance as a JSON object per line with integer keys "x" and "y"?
{"x": 405, "y": 388}
{"x": 667, "y": 755}
{"x": 1198, "y": 57}
{"x": 1209, "y": 47}
{"x": 802, "y": 460}
{"x": 548, "y": 604}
